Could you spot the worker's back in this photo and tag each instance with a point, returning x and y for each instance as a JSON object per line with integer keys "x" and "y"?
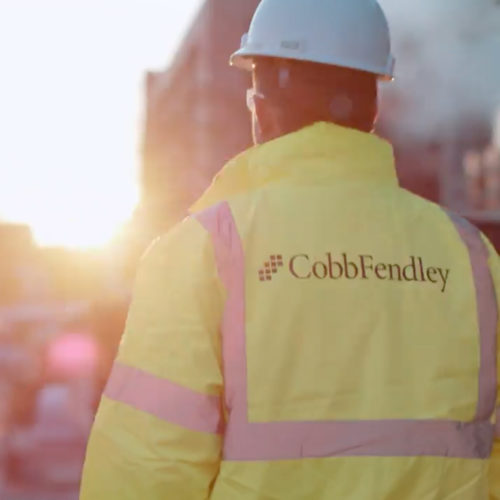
{"x": 352, "y": 371}
{"x": 321, "y": 332}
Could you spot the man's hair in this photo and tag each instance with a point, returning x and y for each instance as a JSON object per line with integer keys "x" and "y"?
{"x": 305, "y": 93}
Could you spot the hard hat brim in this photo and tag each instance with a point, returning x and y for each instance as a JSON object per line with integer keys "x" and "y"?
{"x": 243, "y": 59}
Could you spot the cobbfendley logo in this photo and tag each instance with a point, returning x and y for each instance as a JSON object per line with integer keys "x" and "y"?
{"x": 364, "y": 267}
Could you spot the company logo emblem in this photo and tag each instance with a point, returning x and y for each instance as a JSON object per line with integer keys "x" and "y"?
{"x": 358, "y": 267}
{"x": 270, "y": 267}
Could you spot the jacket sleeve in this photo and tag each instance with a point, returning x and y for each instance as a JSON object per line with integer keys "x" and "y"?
{"x": 157, "y": 434}
{"x": 494, "y": 473}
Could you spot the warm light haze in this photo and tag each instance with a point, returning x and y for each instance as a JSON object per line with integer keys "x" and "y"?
{"x": 71, "y": 96}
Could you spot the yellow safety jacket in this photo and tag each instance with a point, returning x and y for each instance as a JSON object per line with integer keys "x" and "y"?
{"x": 312, "y": 331}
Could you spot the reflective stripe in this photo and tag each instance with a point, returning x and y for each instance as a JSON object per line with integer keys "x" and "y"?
{"x": 164, "y": 399}
{"x": 245, "y": 440}
{"x": 400, "y": 438}
{"x": 219, "y": 222}
{"x": 487, "y": 315}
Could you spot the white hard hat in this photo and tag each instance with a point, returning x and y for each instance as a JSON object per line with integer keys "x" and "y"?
{"x": 348, "y": 33}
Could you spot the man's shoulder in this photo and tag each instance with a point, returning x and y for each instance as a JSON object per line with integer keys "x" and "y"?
{"x": 184, "y": 236}
{"x": 427, "y": 207}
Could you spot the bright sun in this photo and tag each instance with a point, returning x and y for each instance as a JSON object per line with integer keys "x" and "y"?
{"x": 83, "y": 223}
{"x": 71, "y": 95}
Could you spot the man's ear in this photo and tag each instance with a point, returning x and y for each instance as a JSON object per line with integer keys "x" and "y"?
{"x": 266, "y": 121}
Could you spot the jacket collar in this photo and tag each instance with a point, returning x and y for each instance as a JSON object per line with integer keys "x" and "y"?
{"x": 321, "y": 154}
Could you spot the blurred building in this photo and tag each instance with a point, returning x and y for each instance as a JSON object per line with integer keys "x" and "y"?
{"x": 196, "y": 117}
{"x": 22, "y": 271}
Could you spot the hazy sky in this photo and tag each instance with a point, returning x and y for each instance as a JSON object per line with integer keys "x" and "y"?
{"x": 71, "y": 74}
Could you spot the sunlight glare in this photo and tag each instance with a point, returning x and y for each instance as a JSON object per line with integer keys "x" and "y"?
{"x": 71, "y": 96}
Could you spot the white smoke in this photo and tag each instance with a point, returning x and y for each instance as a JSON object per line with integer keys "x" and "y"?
{"x": 448, "y": 64}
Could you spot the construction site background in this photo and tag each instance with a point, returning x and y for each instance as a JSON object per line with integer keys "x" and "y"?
{"x": 442, "y": 114}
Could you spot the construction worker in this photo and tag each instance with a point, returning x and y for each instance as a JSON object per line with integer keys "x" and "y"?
{"x": 312, "y": 331}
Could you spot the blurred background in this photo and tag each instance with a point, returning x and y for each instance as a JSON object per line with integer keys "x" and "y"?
{"x": 114, "y": 117}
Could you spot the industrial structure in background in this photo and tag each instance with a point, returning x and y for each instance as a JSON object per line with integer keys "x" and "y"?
{"x": 196, "y": 117}
{"x": 442, "y": 131}
{"x": 481, "y": 168}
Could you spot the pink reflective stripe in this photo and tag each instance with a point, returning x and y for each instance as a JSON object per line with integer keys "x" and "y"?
{"x": 487, "y": 315}
{"x": 398, "y": 438}
{"x": 164, "y": 399}
{"x": 246, "y": 440}
{"x": 220, "y": 224}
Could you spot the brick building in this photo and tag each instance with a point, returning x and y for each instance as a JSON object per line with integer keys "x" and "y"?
{"x": 196, "y": 117}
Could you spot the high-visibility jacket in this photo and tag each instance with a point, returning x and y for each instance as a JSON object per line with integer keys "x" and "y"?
{"x": 312, "y": 331}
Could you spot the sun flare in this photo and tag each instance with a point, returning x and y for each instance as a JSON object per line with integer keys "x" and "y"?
{"x": 71, "y": 100}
